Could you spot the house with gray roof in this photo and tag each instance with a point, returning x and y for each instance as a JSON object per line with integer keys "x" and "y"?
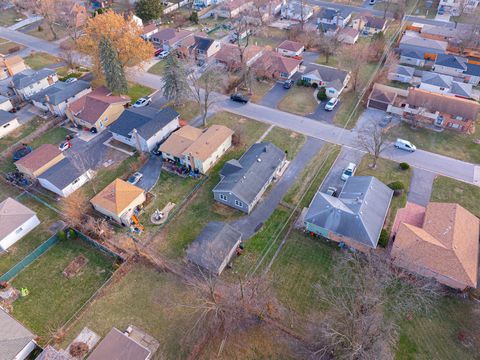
{"x": 144, "y": 128}
{"x": 65, "y": 177}
{"x": 214, "y": 247}
{"x": 412, "y": 57}
{"x": 356, "y": 217}
{"x": 16, "y": 341}
{"x": 426, "y": 47}
{"x": 337, "y": 17}
{"x": 29, "y": 82}
{"x": 55, "y": 98}
{"x": 450, "y": 65}
{"x": 472, "y": 74}
{"x": 8, "y": 123}
{"x": 334, "y": 80}
{"x": 401, "y": 73}
{"x": 205, "y": 48}
{"x": 5, "y": 103}
{"x": 244, "y": 181}
{"x": 445, "y": 84}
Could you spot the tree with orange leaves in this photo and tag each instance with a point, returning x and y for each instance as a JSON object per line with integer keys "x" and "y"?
{"x": 124, "y": 34}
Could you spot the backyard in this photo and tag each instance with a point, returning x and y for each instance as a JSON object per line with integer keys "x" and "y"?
{"x": 299, "y": 100}
{"x": 9, "y": 17}
{"x": 9, "y": 47}
{"x": 21, "y": 132}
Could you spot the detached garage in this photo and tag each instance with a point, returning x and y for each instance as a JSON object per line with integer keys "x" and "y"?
{"x": 381, "y": 97}
{"x": 16, "y": 221}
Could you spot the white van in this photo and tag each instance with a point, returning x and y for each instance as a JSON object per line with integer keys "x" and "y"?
{"x": 405, "y": 145}
{"x": 349, "y": 170}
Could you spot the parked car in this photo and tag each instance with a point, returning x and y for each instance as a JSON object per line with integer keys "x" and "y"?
{"x": 288, "y": 84}
{"x": 65, "y": 146}
{"x": 332, "y": 191}
{"x": 142, "y": 102}
{"x": 330, "y": 105}
{"x": 135, "y": 178}
{"x": 348, "y": 171}
{"x": 387, "y": 119}
{"x": 158, "y": 51}
{"x": 405, "y": 145}
{"x": 70, "y": 80}
{"x": 239, "y": 98}
{"x": 163, "y": 54}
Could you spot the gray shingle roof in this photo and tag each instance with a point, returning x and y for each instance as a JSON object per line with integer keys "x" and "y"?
{"x": 203, "y": 43}
{"x": 6, "y": 117}
{"x": 29, "y": 77}
{"x": 436, "y": 79}
{"x": 246, "y": 177}
{"x": 330, "y": 13}
{"x": 62, "y": 174}
{"x": 473, "y": 69}
{"x": 331, "y": 76}
{"x": 213, "y": 245}
{"x": 60, "y": 91}
{"x": 13, "y": 336}
{"x": 451, "y": 61}
{"x": 3, "y": 99}
{"x": 412, "y": 54}
{"x": 358, "y": 213}
{"x": 461, "y": 89}
{"x": 147, "y": 121}
{"x": 405, "y": 70}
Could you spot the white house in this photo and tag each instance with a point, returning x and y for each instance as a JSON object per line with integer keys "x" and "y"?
{"x": 17, "y": 342}
{"x": 16, "y": 221}
{"x": 200, "y": 4}
{"x": 294, "y": 10}
{"x": 64, "y": 177}
{"x": 29, "y": 82}
{"x": 450, "y": 65}
{"x": 144, "y": 128}
{"x": 290, "y": 48}
{"x": 401, "y": 73}
{"x": 338, "y": 17}
{"x": 8, "y": 123}
{"x": 5, "y": 103}
{"x": 334, "y": 80}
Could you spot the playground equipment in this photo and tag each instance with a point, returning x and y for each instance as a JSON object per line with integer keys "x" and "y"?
{"x": 159, "y": 217}
{"x": 137, "y": 226}
{"x": 21, "y": 152}
{"x": 24, "y": 292}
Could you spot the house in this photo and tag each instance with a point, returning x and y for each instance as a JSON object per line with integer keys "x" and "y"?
{"x": 230, "y": 9}
{"x": 441, "y": 110}
{"x": 214, "y": 247}
{"x": 98, "y": 109}
{"x": 339, "y": 17}
{"x": 8, "y": 123}
{"x": 374, "y": 25}
{"x": 401, "y": 73}
{"x": 56, "y": 98}
{"x": 205, "y": 48}
{"x": 329, "y": 29}
{"x": 39, "y": 160}
{"x": 119, "y": 345}
{"x": 272, "y": 65}
{"x": 64, "y": 177}
{"x": 229, "y": 56}
{"x": 444, "y": 247}
{"x": 170, "y": 39}
{"x": 428, "y": 48}
{"x": 17, "y": 341}
{"x": 445, "y": 33}
{"x": 382, "y": 97}
{"x": 334, "y": 80}
{"x": 244, "y": 181}
{"x": 29, "y": 82}
{"x": 144, "y": 128}
{"x": 119, "y": 201}
{"x": 348, "y": 36}
{"x": 148, "y": 31}
{"x": 445, "y": 84}
{"x": 16, "y": 221}
{"x": 358, "y": 22}
{"x": 11, "y": 65}
{"x": 457, "y": 7}
{"x": 472, "y": 74}
{"x": 290, "y": 48}
{"x": 5, "y": 103}
{"x": 412, "y": 57}
{"x": 356, "y": 217}
{"x": 450, "y": 65}
{"x": 296, "y": 10}
{"x": 196, "y": 149}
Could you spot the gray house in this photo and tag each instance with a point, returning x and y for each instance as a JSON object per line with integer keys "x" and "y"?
{"x": 356, "y": 217}
{"x": 214, "y": 247}
{"x": 401, "y": 73}
{"x": 244, "y": 181}
{"x": 412, "y": 57}
{"x": 427, "y": 47}
{"x": 16, "y": 341}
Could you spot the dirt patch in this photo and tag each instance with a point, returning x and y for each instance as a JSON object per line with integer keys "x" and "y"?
{"x": 293, "y": 135}
{"x": 75, "y": 266}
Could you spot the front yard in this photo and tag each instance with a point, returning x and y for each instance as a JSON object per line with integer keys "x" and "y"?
{"x": 136, "y": 91}
{"x": 44, "y": 32}
{"x": 286, "y": 140}
{"x": 9, "y": 17}
{"x": 454, "y": 191}
{"x": 158, "y": 68}
{"x": 9, "y": 47}
{"x": 299, "y": 100}
{"x": 53, "y": 136}
{"x": 39, "y": 60}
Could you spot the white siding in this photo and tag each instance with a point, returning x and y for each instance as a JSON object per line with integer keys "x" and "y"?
{"x": 19, "y": 232}
{"x": 6, "y": 106}
{"x": 25, "y": 351}
{"x": 150, "y": 144}
{"x": 70, "y": 188}
{"x": 7, "y": 128}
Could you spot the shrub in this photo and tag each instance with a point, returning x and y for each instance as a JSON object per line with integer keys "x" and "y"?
{"x": 396, "y": 185}
{"x": 40, "y": 28}
{"x": 72, "y": 234}
{"x": 321, "y": 94}
{"x": 404, "y": 166}
{"x": 62, "y": 235}
{"x": 300, "y": 82}
{"x": 383, "y": 239}
{"x": 193, "y": 17}
{"x": 13, "y": 49}
{"x": 75, "y": 75}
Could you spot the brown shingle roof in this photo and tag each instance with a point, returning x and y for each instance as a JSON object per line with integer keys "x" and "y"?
{"x": 180, "y": 140}
{"x": 118, "y": 346}
{"x": 12, "y": 60}
{"x": 290, "y": 45}
{"x": 149, "y": 28}
{"x": 230, "y": 54}
{"x": 383, "y": 94}
{"x": 12, "y": 215}
{"x": 172, "y": 35}
{"x": 117, "y": 196}
{"x": 446, "y": 246}
{"x": 209, "y": 141}
{"x": 39, "y": 157}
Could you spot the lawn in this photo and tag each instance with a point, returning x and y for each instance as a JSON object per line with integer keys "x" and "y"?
{"x": 53, "y": 298}
{"x": 43, "y": 32}
{"x": 388, "y": 171}
{"x": 260, "y": 89}
{"x": 53, "y": 136}
{"x": 299, "y": 100}
{"x": 449, "y": 143}
{"x": 158, "y": 68}
{"x": 268, "y": 36}
{"x": 21, "y": 132}
{"x": 10, "y": 47}
{"x": 286, "y": 140}
{"x": 332, "y": 61}
{"x": 9, "y": 17}
{"x": 136, "y": 91}
{"x": 454, "y": 191}
{"x": 188, "y": 111}
{"x": 40, "y": 60}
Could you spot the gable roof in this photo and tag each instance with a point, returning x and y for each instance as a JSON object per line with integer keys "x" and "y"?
{"x": 60, "y": 92}
{"x": 149, "y": 28}
{"x": 404, "y": 70}
{"x": 412, "y": 54}
{"x": 6, "y": 117}
{"x": 451, "y": 61}
{"x": 418, "y": 41}
{"x": 13, "y": 336}
{"x": 203, "y": 43}
{"x": 171, "y": 35}
{"x": 230, "y": 54}
{"x": 272, "y": 62}
{"x": 358, "y": 213}
{"x": 247, "y": 176}
{"x": 29, "y": 77}
{"x": 147, "y": 121}
{"x": 436, "y": 79}
{"x": 13, "y": 60}
{"x": 330, "y": 13}
{"x": 443, "y": 103}
{"x": 375, "y": 22}
{"x": 290, "y": 45}
{"x": 62, "y": 174}
{"x": 210, "y": 249}
{"x": 116, "y": 196}
{"x": 331, "y": 76}
{"x": 39, "y": 157}
{"x": 118, "y": 346}
{"x": 447, "y": 243}
{"x": 461, "y": 89}
{"x": 383, "y": 94}
{"x": 208, "y": 142}
{"x": 472, "y": 69}
{"x": 180, "y": 140}
{"x": 12, "y": 215}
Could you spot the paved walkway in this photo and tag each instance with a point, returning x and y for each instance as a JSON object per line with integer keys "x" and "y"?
{"x": 249, "y": 224}
{"x": 421, "y": 187}
{"x": 27, "y": 21}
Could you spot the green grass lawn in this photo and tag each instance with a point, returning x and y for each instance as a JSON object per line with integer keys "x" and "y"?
{"x": 21, "y": 132}
{"x": 9, "y": 17}
{"x": 299, "y": 100}
{"x": 10, "y": 47}
{"x": 53, "y": 136}
{"x": 53, "y": 298}
{"x": 136, "y": 91}
{"x": 332, "y": 60}
{"x": 268, "y": 36}
{"x": 188, "y": 111}
{"x": 44, "y": 32}
{"x": 454, "y": 191}
{"x": 449, "y": 143}
{"x": 39, "y": 60}
{"x": 287, "y": 140}
{"x": 158, "y": 68}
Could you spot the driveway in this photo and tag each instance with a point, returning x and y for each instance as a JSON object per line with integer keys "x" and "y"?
{"x": 321, "y": 115}
{"x": 274, "y": 96}
{"x": 151, "y": 172}
{"x": 421, "y": 186}
{"x": 368, "y": 117}
{"x": 250, "y": 224}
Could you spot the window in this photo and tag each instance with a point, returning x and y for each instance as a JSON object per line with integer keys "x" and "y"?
{"x": 238, "y": 203}
{"x": 19, "y": 230}
{"x": 6, "y": 125}
{"x": 223, "y": 197}
{"x": 284, "y": 75}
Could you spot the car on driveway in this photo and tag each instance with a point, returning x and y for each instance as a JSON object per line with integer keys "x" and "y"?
{"x": 142, "y": 102}
{"x": 405, "y": 145}
{"x": 387, "y": 119}
{"x": 163, "y": 54}
{"x": 239, "y": 98}
{"x": 332, "y": 191}
{"x": 288, "y": 84}
{"x": 348, "y": 171}
{"x": 135, "y": 178}
{"x": 65, "y": 145}
{"x": 330, "y": 105}
{"x": 70, "y": 80}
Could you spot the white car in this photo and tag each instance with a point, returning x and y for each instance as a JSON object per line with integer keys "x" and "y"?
{"x": 163, "y": 54}
{"x": 348, "y": 172}
{"x": 65, "y": 146}
{"x": 331, "y": 104}
{"x": 142, "y": 102}
{"x": 405, "y": 145}
{"x": 70, "y": 80}
{"x": 135, "y": 178}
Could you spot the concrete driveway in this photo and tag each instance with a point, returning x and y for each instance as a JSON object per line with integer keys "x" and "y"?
{"x": 421, "y": 186}
{"x": 274, "y": 96}
{"x": 368, "y": 117}
{"x": 151, "y": 172}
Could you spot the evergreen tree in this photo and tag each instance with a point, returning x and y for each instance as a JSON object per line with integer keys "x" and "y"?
{"x": 175, "y": 82}
{"x": 148, "y": 10}
{"x": 112, "y": 68}
{"x": 194, "y": 17}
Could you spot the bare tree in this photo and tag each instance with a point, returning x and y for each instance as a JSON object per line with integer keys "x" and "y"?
{"x": 387, "y": 4}
{"x": 373, "y": 139}
{"x": 69, "y": 54}
{"x": 352, "y": 58}
{"x": 260, "y": 8}
{"x": 243, "y": 30}
{"x": 73, "y": 208}
{"x": 328, "y": 46}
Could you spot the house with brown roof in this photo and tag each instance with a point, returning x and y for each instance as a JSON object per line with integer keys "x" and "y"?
{"x": 445, "y": 247}
{"x": 197, "y": 149}
{"x": 348, "y": 35}
{"x": 290, "y": 48}
{"x": 272, "y": 65}
{"x": 11, "y": 65}
{"x": 97, "y": 109}
{"x": 382, "y": 97}
{"x": 170, "y": 39}
{"x": 39, "y": 160}
{"x": 119, "y": 201}
{"x": 119, "y": 345}
{"x": 229, "y": 56}
{"x": 148, "y": 31}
